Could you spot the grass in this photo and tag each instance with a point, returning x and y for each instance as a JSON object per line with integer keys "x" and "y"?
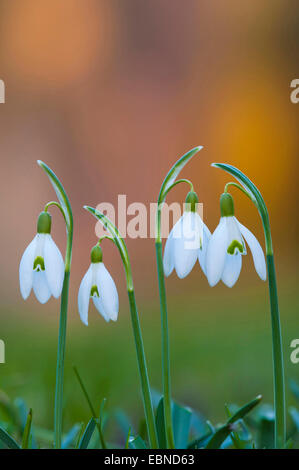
{"x": 220, "y": 353}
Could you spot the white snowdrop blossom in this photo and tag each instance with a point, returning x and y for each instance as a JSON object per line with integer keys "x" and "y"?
{"x": 98, "y": 285}
{"x": 187, "y": 242}
{"x": 227, "y": 246}
{"x": 42, "y": 265}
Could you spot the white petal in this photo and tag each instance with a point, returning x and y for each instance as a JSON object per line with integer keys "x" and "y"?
{"x": 40, "y": 287}
{"x": 54, "y": 266}
{"x": 232, "y": 269}
{"x": 107, "y": 292}
{"x": 84, "y": 295}
{"x": 216, "y": 253}
{"x": 168, "y": 259}
{"x": 26, "y": 269}
{"x": 186, "y": 243}
{"x": 98, "y": 303}
{"x": 256, "y": 250}
{"x": 202, "y": 252}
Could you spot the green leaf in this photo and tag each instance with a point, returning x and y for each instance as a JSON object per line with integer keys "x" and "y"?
{"x": 27, "y": 429}
{"x": 245, "y": 182}
{"x": 181, "y": 419}
{"x": 87, "y": 434}
{"x": 224, "y": 431}
{"x": 160, "y": 425}
{"x": 294, "y": 386}
{"x": 61, "y": 194}
{"x": 265, "y": 420}
{"x": 7, "y": 440}
{"x": 136, "y": 443}
{"x": 200, "y": 442}
{"x": 70, "y": 438}
{"x": 294, "y": 413}
{"x": 174, "y": 172}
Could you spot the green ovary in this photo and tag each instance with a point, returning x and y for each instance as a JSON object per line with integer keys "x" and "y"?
{"x": 235, "y": 244}
{"x": 94, "y": 291}
{"x": 39, "y": 264}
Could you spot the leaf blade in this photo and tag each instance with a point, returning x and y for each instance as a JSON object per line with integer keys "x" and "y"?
{"x": 87, "y": 434}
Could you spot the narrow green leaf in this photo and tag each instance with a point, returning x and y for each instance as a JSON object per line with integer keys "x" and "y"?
{"x": 245, "y": 182}
{"x": 128, "y": 439}
{"x": 27, "y": 429}
{"x": 87, "y": 434}
{"x": 200, "y": 442}
{"x": 294, "y": 386}
{"x": 71, "y": 436}
{"x": 136, "y": 443}
{"x": 181, "y": 419}
{"x": 174, "y": 172}
{"x": 91, "y": 407}
{"x": 7, "y": 440}
{"x": 61, "y": 194}
{"x": 224, "y": 431}
{"x": 294, "y": 413}
{"x": 160, "y": 425}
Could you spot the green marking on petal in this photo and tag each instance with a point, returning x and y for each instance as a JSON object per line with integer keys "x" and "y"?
{"x": 235, "y": 245}
{"x": 94, "y": 291}
{"x": 39, "y": 264}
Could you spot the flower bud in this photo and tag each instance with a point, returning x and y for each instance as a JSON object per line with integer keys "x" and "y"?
{"x": 226, "y": 205}
{"x": 44, "y": 223}
{"x": 96, "y": 254}
{"x": 191, "y": 201}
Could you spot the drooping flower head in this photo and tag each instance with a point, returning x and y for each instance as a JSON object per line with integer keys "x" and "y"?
{"x": 42, "y": 265}
{"x": 227, "y": 246}
{"x": 98, "y": 285}
{"x": 187, "y": 241}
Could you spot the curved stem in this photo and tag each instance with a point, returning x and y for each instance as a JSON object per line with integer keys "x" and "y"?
{"x": 236, "y": 185}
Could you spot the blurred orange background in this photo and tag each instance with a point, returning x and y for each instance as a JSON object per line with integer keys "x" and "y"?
{"x": 111, "y": 93}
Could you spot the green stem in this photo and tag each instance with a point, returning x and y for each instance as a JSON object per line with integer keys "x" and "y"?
{"x": 278, "y": 367}
{"x": 61, "y": 345}
{"x": 165, "y": 349}
{"x": 147, "y": 401}
{"x": 277, "y": 350}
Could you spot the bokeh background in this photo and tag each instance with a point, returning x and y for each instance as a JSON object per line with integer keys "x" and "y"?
{"x": 109, "y": 93}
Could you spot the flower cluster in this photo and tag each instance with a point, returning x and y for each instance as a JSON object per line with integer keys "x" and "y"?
{"x": 219, "y": 254}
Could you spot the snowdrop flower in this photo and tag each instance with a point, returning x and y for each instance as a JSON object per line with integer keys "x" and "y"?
{"x": 187, "y": 241}
{"x": 98, "y": 285}
{"x": 227, "y": 245}
{"x": 42, "y": 265}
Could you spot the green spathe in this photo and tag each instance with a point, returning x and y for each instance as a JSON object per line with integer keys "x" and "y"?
{"x": 191, "y": 201}
{"x": 44, "y": 222}
{"x": 96, "y": 254}
{"x": 226, "y": 205}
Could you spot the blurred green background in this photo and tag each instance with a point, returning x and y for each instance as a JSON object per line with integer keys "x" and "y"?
{"x": 109, "y": 94}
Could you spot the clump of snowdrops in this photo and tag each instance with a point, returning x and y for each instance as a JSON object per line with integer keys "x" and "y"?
{"x": 168, "y": 424}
